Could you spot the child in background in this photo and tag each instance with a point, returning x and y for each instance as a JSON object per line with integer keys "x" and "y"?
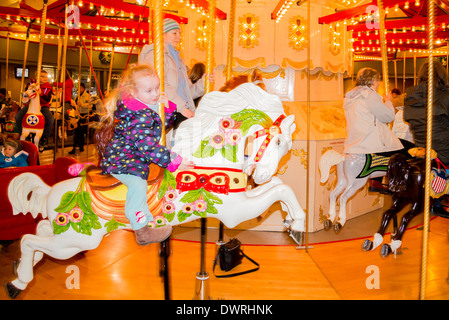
{"x": 133, "y": 109}
{"x": 9, "y": 157}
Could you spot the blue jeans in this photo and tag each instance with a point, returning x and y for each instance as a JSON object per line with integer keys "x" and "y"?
{"x": 136, "y": 206}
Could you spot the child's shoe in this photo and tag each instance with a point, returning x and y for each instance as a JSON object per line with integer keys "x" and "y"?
{"x": 147, "y": 235}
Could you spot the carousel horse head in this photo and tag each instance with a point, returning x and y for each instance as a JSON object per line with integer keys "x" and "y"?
{"x": 266, "y": 147}
{"x": 31, "y": 93}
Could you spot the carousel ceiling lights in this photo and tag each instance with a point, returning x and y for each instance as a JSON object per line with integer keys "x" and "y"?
{"x": 404, "y": 31}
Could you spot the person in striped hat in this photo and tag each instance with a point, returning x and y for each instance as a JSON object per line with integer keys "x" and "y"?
{"x": 178, "y": 87}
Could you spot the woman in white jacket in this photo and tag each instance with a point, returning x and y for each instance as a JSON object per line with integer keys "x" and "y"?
{"x": 367, "y": 116}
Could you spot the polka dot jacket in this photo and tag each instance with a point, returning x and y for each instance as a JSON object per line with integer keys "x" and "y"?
{"x": 135, "y": 142}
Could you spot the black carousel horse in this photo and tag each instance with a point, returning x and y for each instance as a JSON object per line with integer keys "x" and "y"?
{"x": 406, "y": 180}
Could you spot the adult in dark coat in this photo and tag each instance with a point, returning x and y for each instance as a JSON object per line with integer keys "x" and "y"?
{"x": 415, "y": 113}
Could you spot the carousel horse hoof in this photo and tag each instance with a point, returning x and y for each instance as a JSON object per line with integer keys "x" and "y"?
{"x": 327, "y": 224}
{"x": 385, "y": 250}
{"x": 12, "y": 290}
{"x": 298, "y": 236}
{"x": 337, "y": 227}
{"x": 367, "y": 245}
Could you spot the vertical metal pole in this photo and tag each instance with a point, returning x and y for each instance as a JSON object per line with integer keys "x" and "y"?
{"x": 159, "y": 66}
{"x": 430, "y": 86}
{"x": 231, "y": 40}
{"x": 383, "y": 44}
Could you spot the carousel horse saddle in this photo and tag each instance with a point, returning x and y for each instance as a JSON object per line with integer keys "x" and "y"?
{"x": 373, "y": 162}
{"x": 99, "y": 181}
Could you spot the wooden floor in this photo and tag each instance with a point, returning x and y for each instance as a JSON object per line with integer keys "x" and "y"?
{"x": 120, "y": 269}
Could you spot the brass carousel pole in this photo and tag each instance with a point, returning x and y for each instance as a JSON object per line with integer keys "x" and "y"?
{"x": 202, "y": 277}
{"x": 7, "y": 62}
{"x": 309, "y": 65}
{"x": 108, "y": 88}
{"x": 431, "y": 26}
{"x": 210, "y": 45}
{"x": 228, "y": 77}
{"x": 25, "y": 56}
{"x": 41, "y": 43}
{"x": 231, "y": 40}
{"x": 58, "y": 97}
{"x": 383, "y": 44}
{"x": 158, "y": 23}
{"x": 63, "y": 76}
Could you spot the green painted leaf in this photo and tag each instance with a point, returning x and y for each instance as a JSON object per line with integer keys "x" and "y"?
{"x": 250, "y": 117}
{"x": 85, "y": 202}
{"x": 68, "y": 202}
{"x": 169, "y": 216}
{"x": 183, "y": 216}
{"x": 57, "y": 229}
{"x": 168, "y": 181}
{"x": 113, "y": 224}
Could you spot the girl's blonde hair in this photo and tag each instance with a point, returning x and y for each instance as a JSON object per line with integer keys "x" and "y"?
{"x": 126, "y": 87}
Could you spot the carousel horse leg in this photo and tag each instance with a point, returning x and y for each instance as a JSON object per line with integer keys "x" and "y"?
{"x": 202, "y": 277}
{"x": 56, "y": 247}
{"x": 164, "y": 253}
{"x": 396, "y": 240}
{"x": 342, "y": 182}
{"x": 391, "y": 213}
{"x": 349, "y": 192}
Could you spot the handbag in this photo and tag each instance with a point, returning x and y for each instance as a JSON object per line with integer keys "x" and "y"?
{"x": 231, "y": 255}
{"x": 439, "y": 180}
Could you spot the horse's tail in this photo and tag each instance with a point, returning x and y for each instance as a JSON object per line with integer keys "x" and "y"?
{"x": 327, "y": 161}
{"x": 28, "y": 194}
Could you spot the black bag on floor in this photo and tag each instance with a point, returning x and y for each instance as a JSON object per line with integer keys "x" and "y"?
{"x": 231, "y": 255}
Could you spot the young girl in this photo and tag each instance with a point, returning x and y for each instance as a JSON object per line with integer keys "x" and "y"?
{"x": 133, "y": 109}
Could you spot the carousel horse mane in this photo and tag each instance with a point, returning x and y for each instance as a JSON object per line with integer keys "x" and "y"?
{"x": 234, "y": 82}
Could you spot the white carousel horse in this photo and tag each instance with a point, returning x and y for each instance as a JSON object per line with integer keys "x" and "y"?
{"x": 353, "y": 171}
{"x": 33, "y": 121}
{"x": 78, "y": 217}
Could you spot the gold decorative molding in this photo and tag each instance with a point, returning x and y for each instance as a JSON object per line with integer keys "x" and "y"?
{"x": 201, "y": 34}
{"x": 249, "y": 31}
{"x": 297, "y": 33}
{"x": 302, "y": 154}
{"x": 335, "y": 39}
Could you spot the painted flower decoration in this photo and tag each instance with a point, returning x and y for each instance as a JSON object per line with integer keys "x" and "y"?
{"x": 217, "y": 140}
{"x": 77, "y": 168}
{"x": 62, "y": 219}
{"x": 200, "y": 205}
{"x": 226, "y": 123}
{"x": 188, "y": 208}
{"x": 160, "y": 221}
{"x": 151, "y": 224}
{"x": 170, "y": 195}
{"x": 234, "y": 137}
{"x": 168, "y": 207}
{"x": 76, "y": 215}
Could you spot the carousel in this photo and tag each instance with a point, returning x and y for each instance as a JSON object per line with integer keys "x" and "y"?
{"x": 272, "y": 209}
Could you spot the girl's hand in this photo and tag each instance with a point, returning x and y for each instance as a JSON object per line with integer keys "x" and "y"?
{"x": 163, "y": 99}
{"x": 186, "y": 164}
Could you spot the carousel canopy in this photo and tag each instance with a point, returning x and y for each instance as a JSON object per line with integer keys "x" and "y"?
{"x": 105, "y": 22}
{"x": 406, "y": 26}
